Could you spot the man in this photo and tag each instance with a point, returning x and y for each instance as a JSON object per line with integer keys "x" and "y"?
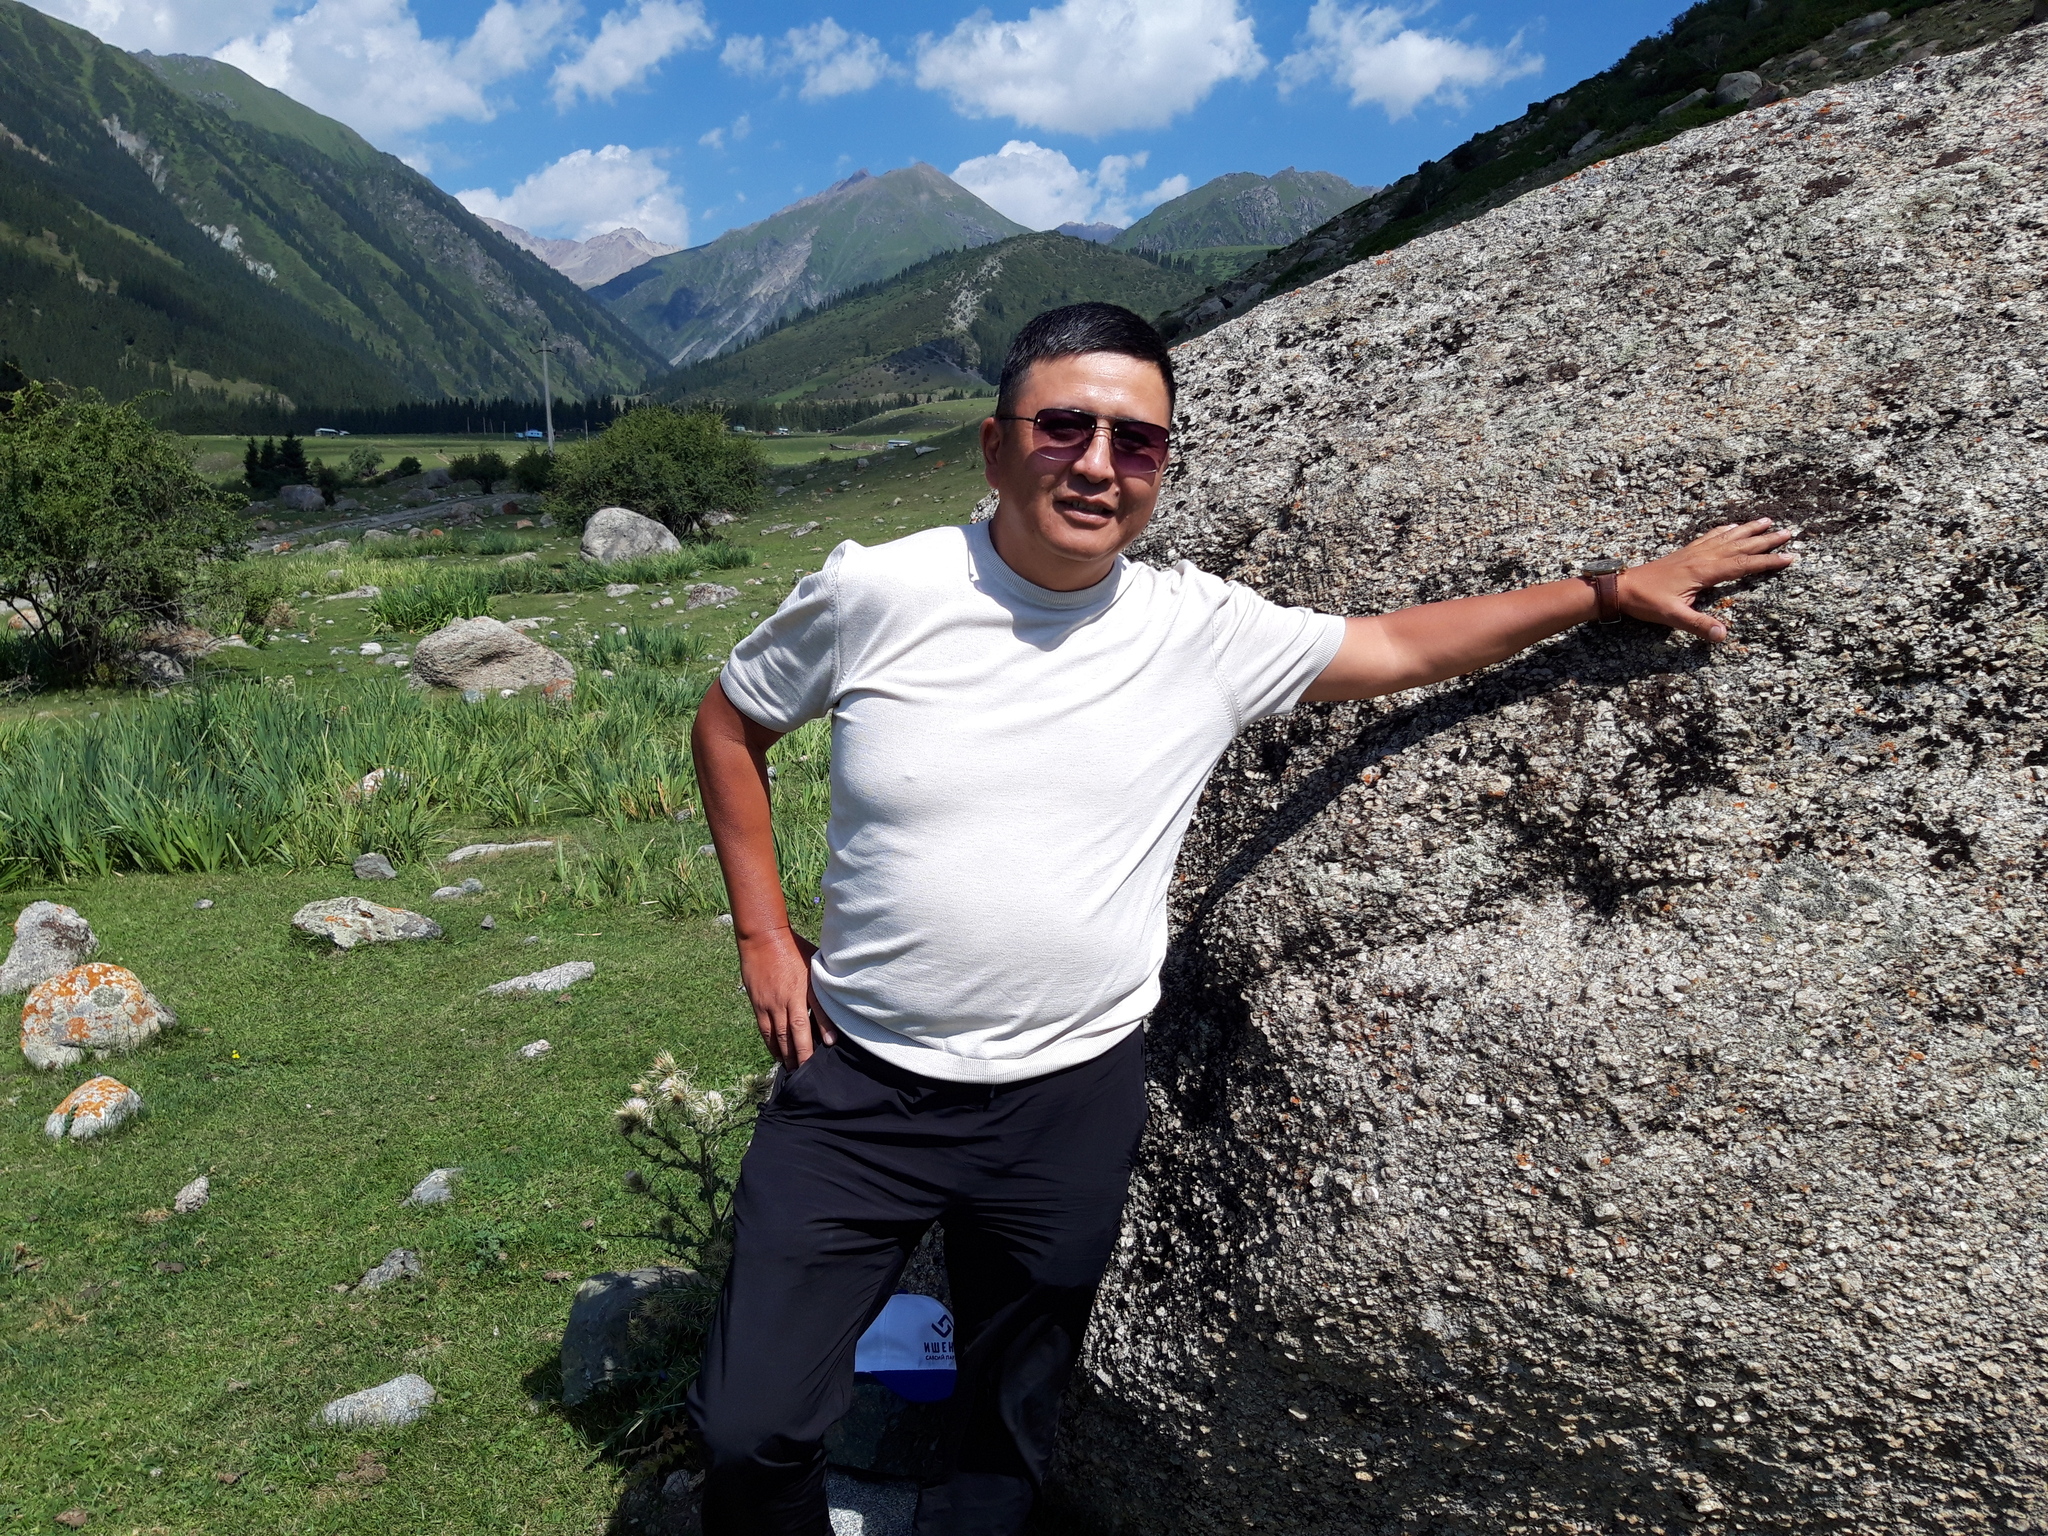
{"x": 1022, "y": 722}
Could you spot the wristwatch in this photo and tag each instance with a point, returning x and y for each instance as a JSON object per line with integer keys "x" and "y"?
{"x": 1604, "y": 577}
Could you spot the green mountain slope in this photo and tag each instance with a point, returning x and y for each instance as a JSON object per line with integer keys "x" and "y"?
{"x": 944, "y": 324}
{"x": 701, "y": 302}
{"x": 171, "y": 222}
{"x": 1240, "y": 209}
{"x": 1664, "y": 85}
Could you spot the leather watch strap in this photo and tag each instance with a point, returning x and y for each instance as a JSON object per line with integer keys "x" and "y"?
{"x": 1604, "y": 577}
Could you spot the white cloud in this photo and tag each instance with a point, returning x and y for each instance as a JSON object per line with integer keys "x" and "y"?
{"x": 1042, "y": 188}
{"x": 588, "y": 192}
{"x": 164, "y": 26}
{"x": 714, "y": 138}
{"x": 1372, "y": 52}
{"x": 1091, "y": 66}
{"x": 832, "y": 60}
{"x": 628, "y": 46}
{"x": 368, "y": 63}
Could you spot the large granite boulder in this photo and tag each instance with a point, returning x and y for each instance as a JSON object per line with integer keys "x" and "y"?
{"x": 622, "y": 1322}
{"x": 1607, "y": 1094}
{"x": 615, "y": 534}
{"x": 49, "y": 939}
{"x": 484, "y": 654}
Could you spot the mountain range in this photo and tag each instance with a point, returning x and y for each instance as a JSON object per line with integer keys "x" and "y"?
{"x": 703, "y": 301}
{"x": 171, "y": 223}
{"x": 587, "y": 263}
{"x": 943, "y": 324}
{"x": 1243, "y": 209}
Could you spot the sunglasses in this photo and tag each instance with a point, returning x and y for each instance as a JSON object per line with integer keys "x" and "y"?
{"x": 1136, "y": 447}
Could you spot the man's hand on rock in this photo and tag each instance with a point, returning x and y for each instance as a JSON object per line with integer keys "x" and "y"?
{"x": 1662, "y": 591}
{"x": 775, "y": 968}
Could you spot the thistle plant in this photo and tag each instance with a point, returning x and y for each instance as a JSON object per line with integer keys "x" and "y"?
{"x": 690, "y": 1134}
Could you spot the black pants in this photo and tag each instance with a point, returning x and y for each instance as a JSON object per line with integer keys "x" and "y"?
{"x": 852, "y": 1162}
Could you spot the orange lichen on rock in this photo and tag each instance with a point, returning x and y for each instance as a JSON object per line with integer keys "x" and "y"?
{"x": 91, "y": 1109}
{"x": 95, "y": 1007}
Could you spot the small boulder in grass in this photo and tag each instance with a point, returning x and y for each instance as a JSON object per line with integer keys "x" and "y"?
{"x": 437, "y": 1188}
{"x": 534, "y": 1050}
{"x": 374, "y": 866}
{"x": 97, "y": 1007}
{"x": 93, "y": 1108}
{"x": 49, "y": 939}
{"x": 613, "y": 533}
{"x": 193, "y": 1196}
{"x": 398, "y": 1401}
{"x": 556, "y": 978}
{"x": 398, "y": 1264}
{"x": 350, "y": 920}
{"x": 494, "y": 850}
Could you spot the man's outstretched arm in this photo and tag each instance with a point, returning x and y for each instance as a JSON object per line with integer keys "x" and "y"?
{"x": 731, "y": 753}
{"x": 1410, "y": 647}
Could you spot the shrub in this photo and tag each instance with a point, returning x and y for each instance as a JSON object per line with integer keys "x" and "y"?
{"x": 671, "y": 465}
{"x": 244, "y": 597}
{"x": 328, "y": 478}
{"x": 486, "y": 468}
{"x": 104, "y": 524}
{"x": 533, "y": 471}
{"x": 361, "y": 464}
{"x": 404, "y": 467}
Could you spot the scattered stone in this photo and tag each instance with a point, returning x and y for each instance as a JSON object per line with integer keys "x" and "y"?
{"x": 1864, "y": 26}
{"x": 374, "y": 866}
{"x": 600, "y": 1342}
{"x": 534, "y": 1050}
{"x": 481, "y": 653}
{"x": 398, "y": 1401}
{"x": 301, "y": 498}
{"x": 472, "y": 695}
{"x": 369, "y": 648}
{"x": 49, "y": 939}
{"x": 859, "y": 1507}
{"x": 93, "y": 1108}
{"x": 614, "y": 534}
{"x": 494, "y": 850}
{"x": 803, "y": 530}
{"x": 1739, "y": 85}
{"x": 72, "y": 1519}
{"x": 707, "y": 594}
{"x": 398, "y": 1264}
{"x": 379, "y": 536}
{"x": 437, "y": 1188}
{"x": 350, "y": 920}
{"x": 331, "y": 547}
{"x": 526, "y": 624}
{"x": 96, "y": 1007}
{"x": 524, "y": 557}
{"x": 193, "y": 1196}
{"x": 159, "y": 669}
{"x": 203, "y": 904}
{"x": 374, "y": 781}
{"x": 723, "y": 920}
{"x": 168, "y": 1267}
{"x": 368, "y": 589}
{"x": 556, "y": 1276}
{"x": 555, "y": 978}
{"x": 620, "y": 589}
{"x": 489, "y": 923}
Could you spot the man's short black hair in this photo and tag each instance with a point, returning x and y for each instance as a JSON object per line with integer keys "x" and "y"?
{"x": 1076, "y": 328}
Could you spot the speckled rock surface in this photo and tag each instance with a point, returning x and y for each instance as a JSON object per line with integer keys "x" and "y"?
{"x": 350, "y": 920}
{"x": 49, "y": 939}
{"x": 1606, "y": 1094}
{"x": 93, "y": 1108}
{"x": 91, "y": 1010}
{"x": 556, "y": 978}
{"x": 399, "y": 1401}
{"x": 482, "y": 653}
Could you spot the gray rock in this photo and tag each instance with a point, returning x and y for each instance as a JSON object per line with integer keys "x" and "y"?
{"x": 378, "y": 536}
{"x": 805, "y": 530}
{"x": 488, "y": 923}
{"x": 301, "y": 498}
{"x": 485, "y": 655}
{"x": 620, "y": 589}
{"x": 95, "y": 1107}
{"x": 556, "y": 978}
{"x": 203, "y": 904}
{"x": 614, "y": 534}
{"x": 495, "y": 850}
{"x": 397, "y": 1402}
{"x": 374, "y": 866}
{"x": 434, "y": 479}
{"x": 331, "y": 547}
{"x": 193, "y": 1196}
{"x": 1864, "y": 26}
{"x": 437, "y": 1188}
{"x": 1738, "y": 86}
{"x": 158, "y": 669}
{"x": 984, "y": 509}
{"x": 96, "y": 1009}
{"x": 1690, "y": 99}
{"x": 1806, "y": 58}
{"x": 535, "y": 1049}
{"x": 707, "y": 594}
{"x": 350, "y": 920}
{"x": 49, "y": 939}
{"x": 1832, "y": 828}
{"x": 366, "y": 591}
{"x": 602, "y": 1341}
{"x": 862, "y": 1507}
{"x": 398, "y": 1264}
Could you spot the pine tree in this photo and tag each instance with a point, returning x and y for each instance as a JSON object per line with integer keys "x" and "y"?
{"x": 291, "y": 461}
{"x": 252, "y": 465}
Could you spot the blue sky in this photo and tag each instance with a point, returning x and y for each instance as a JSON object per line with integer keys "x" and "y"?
{"x": 685, "y": 118}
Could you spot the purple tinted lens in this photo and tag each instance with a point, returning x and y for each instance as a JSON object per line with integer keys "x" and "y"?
{"x": 1071, "y": 430}
{"x": 1065, "y": 429}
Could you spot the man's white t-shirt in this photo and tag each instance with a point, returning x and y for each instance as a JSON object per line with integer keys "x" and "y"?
{"x": 1013, "y": 770}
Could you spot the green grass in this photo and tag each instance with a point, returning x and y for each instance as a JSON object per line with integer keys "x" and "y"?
{"x": 314, "y": 1091}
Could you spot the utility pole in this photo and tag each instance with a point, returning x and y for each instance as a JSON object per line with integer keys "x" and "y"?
{"x": 547, "y": 393}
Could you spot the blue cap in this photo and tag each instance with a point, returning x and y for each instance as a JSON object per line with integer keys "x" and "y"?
{"x": 909, "y": 1349}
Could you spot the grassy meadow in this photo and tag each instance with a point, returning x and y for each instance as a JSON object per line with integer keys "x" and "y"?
{"x": 164, "y": 1371}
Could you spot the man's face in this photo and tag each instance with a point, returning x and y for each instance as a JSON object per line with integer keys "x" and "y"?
{"x": 1069, "y": 518}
